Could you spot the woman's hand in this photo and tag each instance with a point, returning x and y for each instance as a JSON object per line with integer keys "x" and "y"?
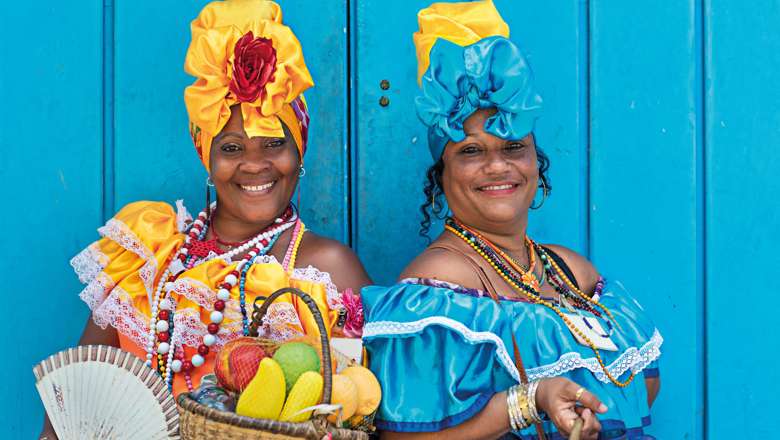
{"x": 558, "y": 398}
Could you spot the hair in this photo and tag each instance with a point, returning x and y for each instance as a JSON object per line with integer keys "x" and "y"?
{"x": 434, "y": 191}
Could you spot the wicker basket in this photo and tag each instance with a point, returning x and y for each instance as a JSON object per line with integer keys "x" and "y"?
{"x": 198, "y": 422}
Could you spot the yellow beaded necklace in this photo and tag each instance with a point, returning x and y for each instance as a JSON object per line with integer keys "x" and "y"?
{"x": 535, "y": 297}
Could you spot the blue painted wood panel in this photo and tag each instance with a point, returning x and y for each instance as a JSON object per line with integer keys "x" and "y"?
{"x": 391, "y": 153}
{"x": 661, "y": 121}
{"x": 51, "y": 122}
{"x": 154, "y": 158}
{"x": 743, "y": 218}
{"x": 645, "y": 231}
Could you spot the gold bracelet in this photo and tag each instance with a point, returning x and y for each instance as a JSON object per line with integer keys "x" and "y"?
{"x": 517, "y": 420}
{"x": 531, "y": 396}
{"x": 523, "y": 403}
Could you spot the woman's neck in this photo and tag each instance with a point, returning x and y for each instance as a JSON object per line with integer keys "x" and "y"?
{"x": 232, "y": 229}
{"x": 509, "y": 237}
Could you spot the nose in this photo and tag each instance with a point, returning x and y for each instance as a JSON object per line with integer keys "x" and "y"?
{"x": 254, "y": 161}
{"x": 496, "y": 163}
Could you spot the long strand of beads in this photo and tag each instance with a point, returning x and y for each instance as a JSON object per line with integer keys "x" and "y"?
{"x": 182, "y": 260}
{"x": 535, "y": 298}
{"x": 242, "y": 283}
{"x": 293, "y": 244}
{"x": 562, "y": 276}
{"x": 157, "y": 326}
{"x": 216, "y": 317}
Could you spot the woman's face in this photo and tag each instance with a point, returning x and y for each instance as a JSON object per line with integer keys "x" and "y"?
{"x": 256, "y": 177}
{"x": 489, "y": 182}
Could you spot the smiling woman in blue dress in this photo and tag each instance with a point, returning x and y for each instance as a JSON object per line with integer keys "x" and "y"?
{"x": 488, "y": 333}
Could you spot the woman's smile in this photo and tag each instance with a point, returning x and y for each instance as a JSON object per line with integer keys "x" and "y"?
{"x": 498, "y": 189}
{"x": 257, "y": 189}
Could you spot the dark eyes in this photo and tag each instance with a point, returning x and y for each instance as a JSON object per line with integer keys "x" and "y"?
{"x": 473, "y": 149}
{"x": 275, "y": 143}
{"x": 230, "y": 148}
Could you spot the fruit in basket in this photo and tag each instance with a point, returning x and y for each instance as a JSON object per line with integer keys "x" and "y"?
{"x": 237, "y": 362}
{"x": 369, "y": 390}
{"x": 344, "y": 393}
{"x": 306, "y": 392}
{"x": 296, "y": 358}
{"x": 263, "y": 398}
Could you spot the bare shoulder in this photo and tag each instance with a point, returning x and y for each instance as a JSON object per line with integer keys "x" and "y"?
{"x": 333, "y": 257}
{"x": 443, "y": 265}
{"x": 586, "y": 273}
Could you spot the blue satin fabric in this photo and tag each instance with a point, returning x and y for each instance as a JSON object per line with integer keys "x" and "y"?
{"x": 440, "y": 355}
{"x": 491, "y": 73}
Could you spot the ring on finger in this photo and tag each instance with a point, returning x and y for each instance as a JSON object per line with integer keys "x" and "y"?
{"x": 578, "y": 394}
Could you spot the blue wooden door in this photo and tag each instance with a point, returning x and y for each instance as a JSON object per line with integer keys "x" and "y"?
{"x": 661, "y": 120}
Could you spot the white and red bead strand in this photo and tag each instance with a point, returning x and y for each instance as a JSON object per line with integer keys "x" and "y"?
{"x": 176, "y": 361}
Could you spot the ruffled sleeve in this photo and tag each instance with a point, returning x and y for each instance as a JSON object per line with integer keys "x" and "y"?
{"x": 119, "y": 269}
{"x": 438, "y": 355}
{"x": 441, "y": 354}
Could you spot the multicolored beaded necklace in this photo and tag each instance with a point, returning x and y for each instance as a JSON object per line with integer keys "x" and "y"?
{"x": 512, "y": 274}
{"x": 190, "y": 254}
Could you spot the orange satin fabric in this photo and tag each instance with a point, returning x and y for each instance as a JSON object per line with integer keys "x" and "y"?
{"x": 462, "y": 23}
{"x": 153, "y": 225}
{"x": 210, "y": 60}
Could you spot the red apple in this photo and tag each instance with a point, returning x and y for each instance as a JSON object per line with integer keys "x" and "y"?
{"x": 237, "y": 363}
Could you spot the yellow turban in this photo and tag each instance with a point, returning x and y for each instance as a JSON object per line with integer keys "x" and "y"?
{"x": 462, "y": 23}
{"x": 241, "y": 53}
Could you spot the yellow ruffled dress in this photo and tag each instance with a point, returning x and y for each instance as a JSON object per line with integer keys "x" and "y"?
{"x": 122, "y": 269}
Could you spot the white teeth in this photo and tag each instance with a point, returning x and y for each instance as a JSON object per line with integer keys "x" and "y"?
{"x": 257, "y": 187}
{"x": 496, "y": 187}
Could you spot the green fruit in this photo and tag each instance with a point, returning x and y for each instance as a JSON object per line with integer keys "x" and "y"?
{"x": 296, "y": 358}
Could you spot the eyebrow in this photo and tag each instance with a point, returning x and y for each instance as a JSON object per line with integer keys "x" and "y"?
{"x": 227, "y": 133}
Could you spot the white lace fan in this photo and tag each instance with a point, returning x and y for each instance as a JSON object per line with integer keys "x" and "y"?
{"x": 101, "y": 392}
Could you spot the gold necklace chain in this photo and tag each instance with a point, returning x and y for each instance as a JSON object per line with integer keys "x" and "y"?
{"x": 536, "y": 298}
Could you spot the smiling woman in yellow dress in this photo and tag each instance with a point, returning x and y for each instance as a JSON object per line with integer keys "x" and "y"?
{"x": 173, "y": 289}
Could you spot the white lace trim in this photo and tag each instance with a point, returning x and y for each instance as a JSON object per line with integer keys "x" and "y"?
{"x": 183, "y": 217}
{"x": 385, "y": 328}
{"x": 94, "y": 293}
{"x": 632, "y": 358}
{"x": 190, "y": 329}
{"x": 118, "y": 311}
{"x": 317, "y": 276}
{"x": 112, "y": 305}
{"x": 205, "y": 297}
{"x": 281, "y": 323}
{"x": 119, "y": 232}
{"x": 89, "y": 263}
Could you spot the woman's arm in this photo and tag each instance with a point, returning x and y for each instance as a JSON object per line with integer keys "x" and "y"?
{"x": 92, "y": 335}
{"x": 557, "y": 397}
{"x": 490, "y": 423}
{"x": 653, "y": 385}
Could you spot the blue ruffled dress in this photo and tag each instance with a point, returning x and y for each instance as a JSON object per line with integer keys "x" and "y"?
{"x": 441, "y": 351}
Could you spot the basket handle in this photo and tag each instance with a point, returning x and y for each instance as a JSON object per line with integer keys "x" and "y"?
{"x": 260, "y": 311}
